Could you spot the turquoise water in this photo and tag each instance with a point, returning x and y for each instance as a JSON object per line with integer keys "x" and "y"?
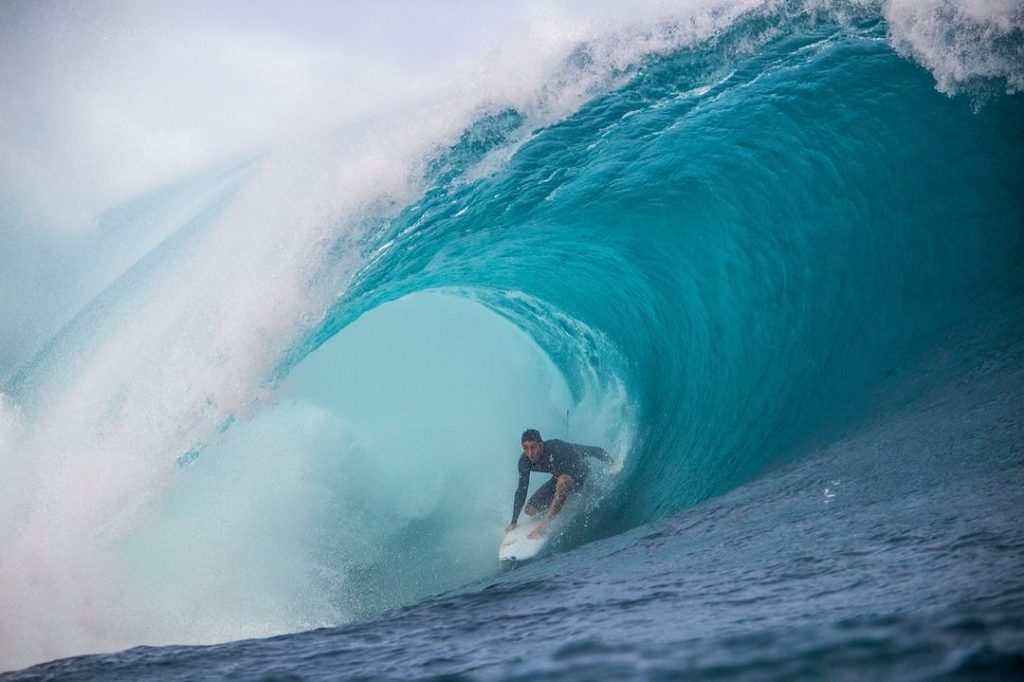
{"x": 774, "y": 269}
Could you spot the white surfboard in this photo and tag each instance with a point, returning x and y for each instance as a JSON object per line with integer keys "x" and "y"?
{"x": 517, "y": 546}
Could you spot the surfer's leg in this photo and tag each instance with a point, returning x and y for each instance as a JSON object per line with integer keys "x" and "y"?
{"x": 541, "y": 499}
{"x": 564, "y": 484}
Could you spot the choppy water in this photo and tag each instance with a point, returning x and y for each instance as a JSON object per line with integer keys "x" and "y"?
{"x": 751, "y": 249}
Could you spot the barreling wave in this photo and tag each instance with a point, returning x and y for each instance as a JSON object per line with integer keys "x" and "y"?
{"x": 760, "y": 235}
{"x": 722, "y": 229}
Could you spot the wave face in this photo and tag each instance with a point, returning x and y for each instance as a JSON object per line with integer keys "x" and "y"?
{"x": 703, "y": 242}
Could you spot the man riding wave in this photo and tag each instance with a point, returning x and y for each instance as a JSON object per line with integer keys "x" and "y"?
{"x": 567, "y": 464}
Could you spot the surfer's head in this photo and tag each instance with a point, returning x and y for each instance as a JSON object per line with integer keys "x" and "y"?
{"x": 532, "y": 444}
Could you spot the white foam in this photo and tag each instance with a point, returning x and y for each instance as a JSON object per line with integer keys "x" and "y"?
{"x": 962, "y": 42}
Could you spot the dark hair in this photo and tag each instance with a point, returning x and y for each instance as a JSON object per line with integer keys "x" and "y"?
{"x": 531, "y": 434}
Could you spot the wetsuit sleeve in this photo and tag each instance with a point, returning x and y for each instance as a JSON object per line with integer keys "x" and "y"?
{"x": 596, "y": 452}
{"x": 524, "y": 485}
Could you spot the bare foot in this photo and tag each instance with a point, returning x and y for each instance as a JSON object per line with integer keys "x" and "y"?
{"x": 538, "y": 531}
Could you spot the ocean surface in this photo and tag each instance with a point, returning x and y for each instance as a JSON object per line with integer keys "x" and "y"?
{"x": 261, "y": 420}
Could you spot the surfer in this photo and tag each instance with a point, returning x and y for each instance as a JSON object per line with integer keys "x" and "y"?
{"x": 567, "y": 464}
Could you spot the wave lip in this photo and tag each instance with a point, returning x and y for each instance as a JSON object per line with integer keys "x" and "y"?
{"x": 966, "y": 46}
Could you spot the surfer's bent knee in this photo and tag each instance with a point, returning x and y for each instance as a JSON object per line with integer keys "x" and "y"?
{"x": 565, "y": 483}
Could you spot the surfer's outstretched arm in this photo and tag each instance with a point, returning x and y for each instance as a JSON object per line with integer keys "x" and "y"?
{"x": 596, "y": 453}
{"x": 524, "y": 484}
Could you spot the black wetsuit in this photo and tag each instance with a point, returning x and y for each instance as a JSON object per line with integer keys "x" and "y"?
{"x": 557, "y": 458}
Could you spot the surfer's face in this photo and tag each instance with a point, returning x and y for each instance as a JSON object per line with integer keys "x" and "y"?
{"x": 532, "y": 449}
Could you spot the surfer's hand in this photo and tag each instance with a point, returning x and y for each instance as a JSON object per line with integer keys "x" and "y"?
{"x": 511, "y": 527}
